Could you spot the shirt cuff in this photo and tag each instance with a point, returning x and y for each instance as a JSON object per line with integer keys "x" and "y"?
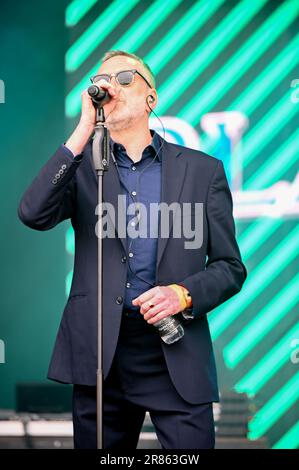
{"x": 70, "y": 153}
{"x": 188, "y": 313}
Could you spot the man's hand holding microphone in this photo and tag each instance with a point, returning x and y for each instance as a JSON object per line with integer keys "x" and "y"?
{"x": 85, "y": 127}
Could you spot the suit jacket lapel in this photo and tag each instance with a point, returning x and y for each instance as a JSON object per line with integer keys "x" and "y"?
{"x": 174, "y": 168}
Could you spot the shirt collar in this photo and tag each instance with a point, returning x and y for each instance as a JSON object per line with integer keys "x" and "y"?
{"x": 155, "y": 145}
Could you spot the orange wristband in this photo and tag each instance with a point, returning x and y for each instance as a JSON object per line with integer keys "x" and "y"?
{"x": 187, "y": 296}
{"x": 184, "y": 295}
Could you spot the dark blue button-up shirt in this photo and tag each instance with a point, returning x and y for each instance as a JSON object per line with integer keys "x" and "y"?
{"x": 141, "y": 250}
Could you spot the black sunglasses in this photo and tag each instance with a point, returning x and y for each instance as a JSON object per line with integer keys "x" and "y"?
{"x": 123, "y": 78}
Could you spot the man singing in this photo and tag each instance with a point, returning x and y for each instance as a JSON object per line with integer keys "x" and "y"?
{"x": 145, "y": 278}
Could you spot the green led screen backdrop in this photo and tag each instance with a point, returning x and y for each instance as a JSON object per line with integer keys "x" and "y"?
{"x": 228, "y": 84}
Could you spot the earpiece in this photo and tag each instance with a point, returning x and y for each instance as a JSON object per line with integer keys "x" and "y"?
{"x": 151, "y": 98}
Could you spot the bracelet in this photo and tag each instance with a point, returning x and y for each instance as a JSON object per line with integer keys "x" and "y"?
{"x": 180, "y": 290}
{"x": 187, "y": 296}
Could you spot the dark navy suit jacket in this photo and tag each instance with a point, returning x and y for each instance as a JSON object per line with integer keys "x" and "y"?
{"x": 213, "y": 273}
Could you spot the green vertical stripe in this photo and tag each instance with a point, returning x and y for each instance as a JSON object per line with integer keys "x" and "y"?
{"x": 146, "y": 24}
{"x": 206, "y": 52}
{"x": 161, "y": 54}
{"x": 243, "y": 343}
{"x": 260, "y": 88}
{"x": 68, "y": 283}
{"x": 257, "y": 281}
{"x": 290, "y": 440}
{"x": 242, "y": 60}
{"x": 269, "y": 365}
{"x": 76, "y": 10}
{"x": 97, "y": 32}
{"x": 273, "y": 410}
{"x": 257, "y": 234}
{"x": 274, "y": 120}
{"x": 275, "y": 165}
{"x": 167, "y": 48}
{"x": 70, "y": 241}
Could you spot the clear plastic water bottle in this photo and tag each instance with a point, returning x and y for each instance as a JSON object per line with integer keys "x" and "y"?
{"x": 170, "y": 329}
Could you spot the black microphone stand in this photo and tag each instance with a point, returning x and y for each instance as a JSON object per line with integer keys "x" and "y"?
{"x": 100, "y": 154}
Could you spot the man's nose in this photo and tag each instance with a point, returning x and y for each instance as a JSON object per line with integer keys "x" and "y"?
{"x": 113, "y": 77}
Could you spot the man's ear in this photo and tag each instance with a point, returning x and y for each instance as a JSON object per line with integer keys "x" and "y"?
{"x": 151, "y": 100}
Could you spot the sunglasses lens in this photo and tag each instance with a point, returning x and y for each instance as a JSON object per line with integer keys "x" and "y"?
{"x": 125, "y": 78}
{"x": 97, "y": 78}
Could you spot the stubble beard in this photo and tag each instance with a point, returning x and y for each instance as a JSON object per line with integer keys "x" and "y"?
{"x": 126, "y": 117}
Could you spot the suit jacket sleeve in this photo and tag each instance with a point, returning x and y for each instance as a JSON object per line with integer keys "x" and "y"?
{"x": 50, "y": 198}
{"x": 224, "y": 272}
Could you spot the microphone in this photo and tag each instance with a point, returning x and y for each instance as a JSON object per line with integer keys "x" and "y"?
{"x": 98, "y": 95}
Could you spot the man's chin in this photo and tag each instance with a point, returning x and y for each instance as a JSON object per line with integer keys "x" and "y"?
{"x": 117, "y": 124}
{"x": 118, "y": 120}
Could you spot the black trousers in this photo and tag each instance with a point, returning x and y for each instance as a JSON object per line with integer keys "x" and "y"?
{"x": 138, "y": 381}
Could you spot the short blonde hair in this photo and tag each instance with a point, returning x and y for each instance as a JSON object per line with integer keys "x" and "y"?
{"x": 108, "y": 55}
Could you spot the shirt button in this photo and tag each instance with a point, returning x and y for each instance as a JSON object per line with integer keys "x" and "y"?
{"x": 119, "y": 300}
{"x": 123, "y": 259}
{"x": 131, "y": 254}
{"x": 133, "y": 193}
{"x": 128, "y": 284}
{"x": 133, "y": 168}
